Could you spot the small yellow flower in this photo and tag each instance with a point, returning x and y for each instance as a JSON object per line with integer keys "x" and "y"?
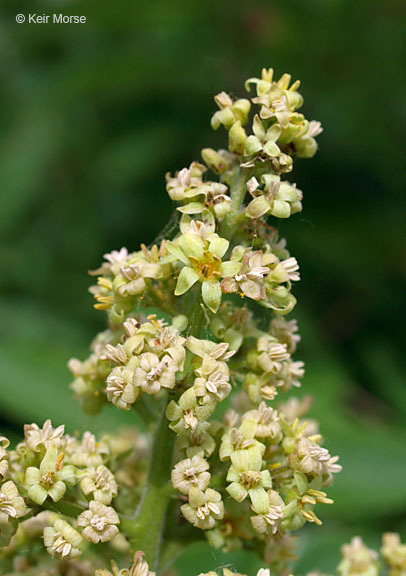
{"x": 99, "y": 482}
{"x": 99, "y": 522}
{"x": 62, "y": 541}
{"x": 191, "y": 473}
{"x": 204, "y": 508}
{"x": 51, "y": 478}
{"x": 11, "y": 503}
{"x": 202, "y": 262}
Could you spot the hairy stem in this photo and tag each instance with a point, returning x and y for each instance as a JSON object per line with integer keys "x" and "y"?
{"x": 145, "y": 530}
{"x": 237, "y": 182}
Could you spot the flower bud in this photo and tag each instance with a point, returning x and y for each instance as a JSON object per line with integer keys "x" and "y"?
{"x": 237, "y": 138}
{"x": 305, "y": 147}
{"x": 295, "y": 100}
{"x": 242, "y": 109}
{"x": 180, "y": 322}
{"x": 214, "y": 160}
{"x": 218, "y": 328}
{"x": 288, "y": 444}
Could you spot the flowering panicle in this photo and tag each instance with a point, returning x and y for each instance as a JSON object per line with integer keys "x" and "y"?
{"x": 197, "y": 343}
{"x": 223, "y": 260}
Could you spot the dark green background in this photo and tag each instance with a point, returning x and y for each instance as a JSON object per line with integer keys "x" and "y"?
{"x": 91, "y": 118}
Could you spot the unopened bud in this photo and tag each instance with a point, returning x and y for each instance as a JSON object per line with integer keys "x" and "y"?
{"x": 214, "y": 160}
{"x": 305, "y": 147}
{"x": 237, "y": 138}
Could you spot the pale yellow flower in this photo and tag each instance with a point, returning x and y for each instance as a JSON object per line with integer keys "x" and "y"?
{"x": 247, "y": 478}
{"x": 62, "y": 541}
{"x": 213, "y": 384}
{"x": 99, "y": 482}
{"x": 152, "y": 374}
{"x": 203, "y": 508}
{"x": 99, "y": 522}
{"x": 186, "y": 414}
{"x": 12, "y": 505}
{"x": 35, "y": 437}
{"x": 269, "y": 521}
{"x": 202, "y": 262}
{"x": 51, "y": 478}
{"x": 191, "y": 473}
{"x": 120, "y": 388}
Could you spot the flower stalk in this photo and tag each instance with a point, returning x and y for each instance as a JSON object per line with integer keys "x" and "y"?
{"x": 145, "y": 529}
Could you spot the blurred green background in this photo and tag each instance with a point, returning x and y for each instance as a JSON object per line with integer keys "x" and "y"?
{"x": 91, "y": 118}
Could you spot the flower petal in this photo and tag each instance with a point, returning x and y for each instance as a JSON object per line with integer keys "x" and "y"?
{"x": 211, "y": 294}
{"x": 237, "y": 491}
{"x": 191, "y": 245}
{"x": 257, "y": 207}
{"x": 191, "y": 208}
{"x": 186, "y": 279}
{"x": 230, "y": 268}
{"x": 271, "y": 149}
{"x": 219, "y": 246}
{"x": 259, "y": 499}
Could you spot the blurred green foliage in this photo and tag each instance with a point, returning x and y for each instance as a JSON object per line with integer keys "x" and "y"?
{"x": 91, "y": 118}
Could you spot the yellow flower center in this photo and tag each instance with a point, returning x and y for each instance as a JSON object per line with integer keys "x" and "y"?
{"x": 250, "y": 479}
{"x": 48, "y": 480}
{"x": 208, "y": 268}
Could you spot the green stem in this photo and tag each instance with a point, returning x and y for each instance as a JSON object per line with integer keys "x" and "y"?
{"x": 237, "y": 182}
{"x": 64, "y": 507}
{"x": 196, "y": 315}
{"x": 145, "y": 530}
{"x": 238, "y": 191}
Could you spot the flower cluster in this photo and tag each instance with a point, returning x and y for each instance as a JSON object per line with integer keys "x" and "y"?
{"x": 357, "y": 560}
{"x": 198, "y": 345}
{"x": 123, "y": 279}
{"x": 207, "y": 199}
{"x": 261, "y": 467}
{"x": 73, "y": 477}
{"x": 148, "y": 358}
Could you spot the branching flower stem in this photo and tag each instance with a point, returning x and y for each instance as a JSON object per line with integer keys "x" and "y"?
{"x": 145, "y": 530}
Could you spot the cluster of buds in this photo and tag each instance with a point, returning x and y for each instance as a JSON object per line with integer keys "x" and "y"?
{"x": 278, "y": 130}
{"x": 197, "y": 344}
